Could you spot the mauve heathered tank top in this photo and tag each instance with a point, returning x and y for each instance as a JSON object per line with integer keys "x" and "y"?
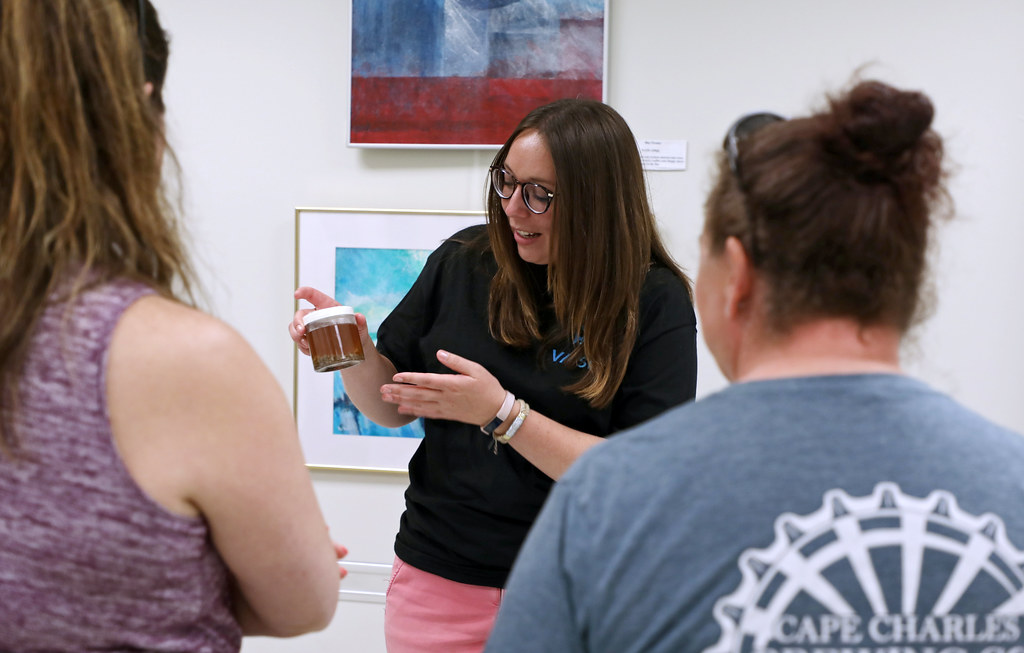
{"x": 88, "y": 562}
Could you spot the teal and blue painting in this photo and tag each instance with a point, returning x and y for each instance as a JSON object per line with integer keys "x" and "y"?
{"x": 372, "y": 281}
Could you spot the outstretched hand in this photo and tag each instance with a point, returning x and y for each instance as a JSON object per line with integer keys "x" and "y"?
{"x": 472, "y": 395}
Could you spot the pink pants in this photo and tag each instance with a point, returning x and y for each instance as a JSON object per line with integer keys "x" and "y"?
{"x": 425, "y": 613}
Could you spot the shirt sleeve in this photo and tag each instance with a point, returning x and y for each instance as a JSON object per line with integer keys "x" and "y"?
{"x": 539, "y": 612}
{"x": 398, "y": 336}
{"x": 662, "y": 370}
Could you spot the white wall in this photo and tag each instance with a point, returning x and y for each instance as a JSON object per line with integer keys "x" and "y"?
{"x": 257, "y": 110}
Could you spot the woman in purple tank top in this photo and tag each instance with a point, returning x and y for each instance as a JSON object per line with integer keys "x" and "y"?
{"x": 152, "y": 489}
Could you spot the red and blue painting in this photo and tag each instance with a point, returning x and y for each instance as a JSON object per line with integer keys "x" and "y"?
{"x": 463, "y": 73}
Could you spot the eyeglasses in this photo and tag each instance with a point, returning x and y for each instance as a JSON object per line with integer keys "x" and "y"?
{"x": 536, "y": 197}
{"x": 745, "y": 126}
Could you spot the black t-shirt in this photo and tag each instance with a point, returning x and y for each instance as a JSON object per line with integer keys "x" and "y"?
{"x": 467, "y": 509}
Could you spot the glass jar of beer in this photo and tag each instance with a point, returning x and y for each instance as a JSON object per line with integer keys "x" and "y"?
{"x": 333, "y": 338}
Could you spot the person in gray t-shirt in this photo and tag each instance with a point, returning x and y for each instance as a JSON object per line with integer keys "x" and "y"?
{"x": 824, "y": 501}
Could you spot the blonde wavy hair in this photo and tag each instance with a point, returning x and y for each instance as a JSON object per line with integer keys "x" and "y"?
{"x": 80, "y": 169}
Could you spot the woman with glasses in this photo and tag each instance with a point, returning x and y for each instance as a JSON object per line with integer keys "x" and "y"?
{"x": 825, "y": 501}
{"x": 523, "y": 343}
{"x": 153, "y": 495}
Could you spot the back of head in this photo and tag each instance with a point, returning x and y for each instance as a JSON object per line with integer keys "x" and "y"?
{"x": 155, "y": 47}
{"x": 80, "y": 162}
{"x": 835, "y": 209}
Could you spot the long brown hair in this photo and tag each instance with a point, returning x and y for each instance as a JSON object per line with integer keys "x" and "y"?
{"x": 836, "y": 209}
{"x": 605, "y": 240}
{"x": 80, "y": 168}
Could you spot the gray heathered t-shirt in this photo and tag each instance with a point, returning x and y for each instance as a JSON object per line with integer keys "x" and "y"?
{"x": 834, "y": 514}
{"x": 88, "y": 562}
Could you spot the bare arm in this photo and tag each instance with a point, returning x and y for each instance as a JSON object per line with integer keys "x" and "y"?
{"x": 473, "y": 396}
{"x": 204, "y": 429}
{"x": 551, "y": 447}
{"x": 362, "y": 381}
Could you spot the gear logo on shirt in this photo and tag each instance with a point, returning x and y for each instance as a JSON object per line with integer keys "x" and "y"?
{"x": 883, "y": 573}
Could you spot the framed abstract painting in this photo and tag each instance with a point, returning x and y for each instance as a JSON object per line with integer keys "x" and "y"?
{"x": 367, "y": 259}
{"x": 463, "y": 73}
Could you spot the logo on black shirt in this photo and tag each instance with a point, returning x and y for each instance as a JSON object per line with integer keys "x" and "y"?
{"x": 561, "y": 356}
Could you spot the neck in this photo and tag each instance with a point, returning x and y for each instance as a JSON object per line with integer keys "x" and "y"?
{"x": 821, "y": 347}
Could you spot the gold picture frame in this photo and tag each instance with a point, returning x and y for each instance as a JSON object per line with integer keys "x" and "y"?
{"x": 366, "y": 258}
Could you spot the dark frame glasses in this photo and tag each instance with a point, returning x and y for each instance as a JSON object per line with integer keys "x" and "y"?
{"x": 501, "y": 177}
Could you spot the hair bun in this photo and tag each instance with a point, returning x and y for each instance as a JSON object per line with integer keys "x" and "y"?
{"x": 877, "y": 127}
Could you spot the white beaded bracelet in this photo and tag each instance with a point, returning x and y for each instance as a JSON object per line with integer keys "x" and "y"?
{"x": 524, "y": 410}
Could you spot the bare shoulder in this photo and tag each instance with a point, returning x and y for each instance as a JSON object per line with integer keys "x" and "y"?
{"x": 185, "y": 393}
{"x": 165, "y": 332}
{"x": 176, "y": 357}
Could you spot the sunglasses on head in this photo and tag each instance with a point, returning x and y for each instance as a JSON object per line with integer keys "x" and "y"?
{"x": 745, "y": 126}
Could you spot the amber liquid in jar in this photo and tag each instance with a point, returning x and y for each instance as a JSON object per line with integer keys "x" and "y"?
{"x": 334, "y": 346}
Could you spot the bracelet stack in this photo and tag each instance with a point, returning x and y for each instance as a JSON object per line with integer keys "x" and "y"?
{"x": 524, "y": 410}
{"x": 491, "y": 427}
{"x": 503, "y": 413}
